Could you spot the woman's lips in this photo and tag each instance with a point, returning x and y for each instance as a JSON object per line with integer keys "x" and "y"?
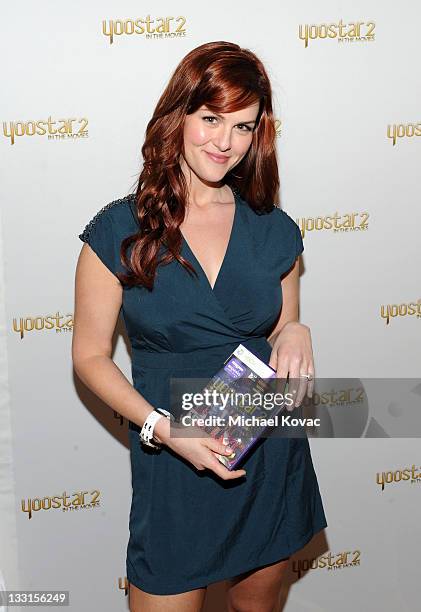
{"x": 219, "y": 159}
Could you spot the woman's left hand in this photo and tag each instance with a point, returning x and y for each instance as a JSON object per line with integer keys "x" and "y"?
{"x": 292, "y": 354}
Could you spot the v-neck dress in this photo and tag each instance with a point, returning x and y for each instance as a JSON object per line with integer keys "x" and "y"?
{"x": 187, "y": 527}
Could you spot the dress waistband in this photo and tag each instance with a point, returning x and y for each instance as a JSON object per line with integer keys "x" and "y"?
{"x": 200, "y": 357}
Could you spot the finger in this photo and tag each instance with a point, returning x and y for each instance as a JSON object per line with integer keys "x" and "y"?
{"x": 281, "y": 376}
{"x": 217, "y": 447}
{"x": 302, "y": 387}
{"x": 281, "y": 391}
{"x": 220, "y": 470}
{"x": 310, "y": 386}
{"x": 273, "y": 361}
{"x": 294, "y": 382}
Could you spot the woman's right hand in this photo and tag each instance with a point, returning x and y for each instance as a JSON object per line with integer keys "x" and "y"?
{"x": 200, "y": 450}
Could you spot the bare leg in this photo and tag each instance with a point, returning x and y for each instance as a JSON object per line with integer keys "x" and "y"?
{"x": 257, "y": 590}
{"x": 140, "y": 601}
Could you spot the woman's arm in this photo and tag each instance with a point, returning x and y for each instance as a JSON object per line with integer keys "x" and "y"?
{"x": 98, "y": 299}
{"x": 292, "y": 352}
{"x": 290, "y": 300}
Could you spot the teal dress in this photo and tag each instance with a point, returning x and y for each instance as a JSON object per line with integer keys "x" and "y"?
{"x": 189, "y": 528}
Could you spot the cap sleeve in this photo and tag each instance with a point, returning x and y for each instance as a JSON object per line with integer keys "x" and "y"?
{"x": 288, "y": 242}
{"x": 100, "y": 234}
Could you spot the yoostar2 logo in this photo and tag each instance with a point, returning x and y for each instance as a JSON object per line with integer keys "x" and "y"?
{"x": 349, "y": 32}
{"x": 54, "y": 129}
{"x": 161, "y": 27}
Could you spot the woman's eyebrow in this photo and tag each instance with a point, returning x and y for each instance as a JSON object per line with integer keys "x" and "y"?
{"x": 221, "y": 117}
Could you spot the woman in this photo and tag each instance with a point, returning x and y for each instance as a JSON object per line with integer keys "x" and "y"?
{"x": 200, "y": 260}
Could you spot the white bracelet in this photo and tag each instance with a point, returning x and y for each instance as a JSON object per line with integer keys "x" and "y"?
{"x": 146, "y": 433}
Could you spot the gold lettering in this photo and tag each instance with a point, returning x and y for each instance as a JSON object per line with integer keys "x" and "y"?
{"x": 110, "y": 32}
{"x": 303, "y": 35}
{"x": 179, "y": 28}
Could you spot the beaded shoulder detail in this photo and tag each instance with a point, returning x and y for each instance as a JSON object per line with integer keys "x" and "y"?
{"x": 92, "y": 223}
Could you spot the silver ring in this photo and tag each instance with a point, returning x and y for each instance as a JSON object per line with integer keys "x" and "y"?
{"x": 308, "y": 376}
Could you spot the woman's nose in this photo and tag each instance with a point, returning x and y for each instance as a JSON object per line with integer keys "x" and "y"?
{"x": 222, "y": 139}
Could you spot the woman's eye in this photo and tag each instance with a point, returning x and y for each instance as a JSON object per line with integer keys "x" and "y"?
{"x": 243, "y": 127}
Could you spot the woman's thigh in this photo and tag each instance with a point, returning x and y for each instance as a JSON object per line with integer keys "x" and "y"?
{"x": 257, "y": 590}
{"x": 140, "y": 601}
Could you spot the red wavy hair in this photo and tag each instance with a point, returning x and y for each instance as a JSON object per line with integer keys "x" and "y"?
{"x": 226, "y": 78}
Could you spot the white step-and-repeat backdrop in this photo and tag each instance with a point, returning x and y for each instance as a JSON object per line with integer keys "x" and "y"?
{"x": 80, "y": 82}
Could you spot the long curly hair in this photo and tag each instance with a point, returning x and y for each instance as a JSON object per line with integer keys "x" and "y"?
{"x": 226, "y": 78}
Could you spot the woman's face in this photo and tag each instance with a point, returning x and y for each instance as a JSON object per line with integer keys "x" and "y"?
{"x": 215, "y": 143}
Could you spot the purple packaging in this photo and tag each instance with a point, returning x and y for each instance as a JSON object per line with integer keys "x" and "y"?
{"x": 232, "y": 417}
